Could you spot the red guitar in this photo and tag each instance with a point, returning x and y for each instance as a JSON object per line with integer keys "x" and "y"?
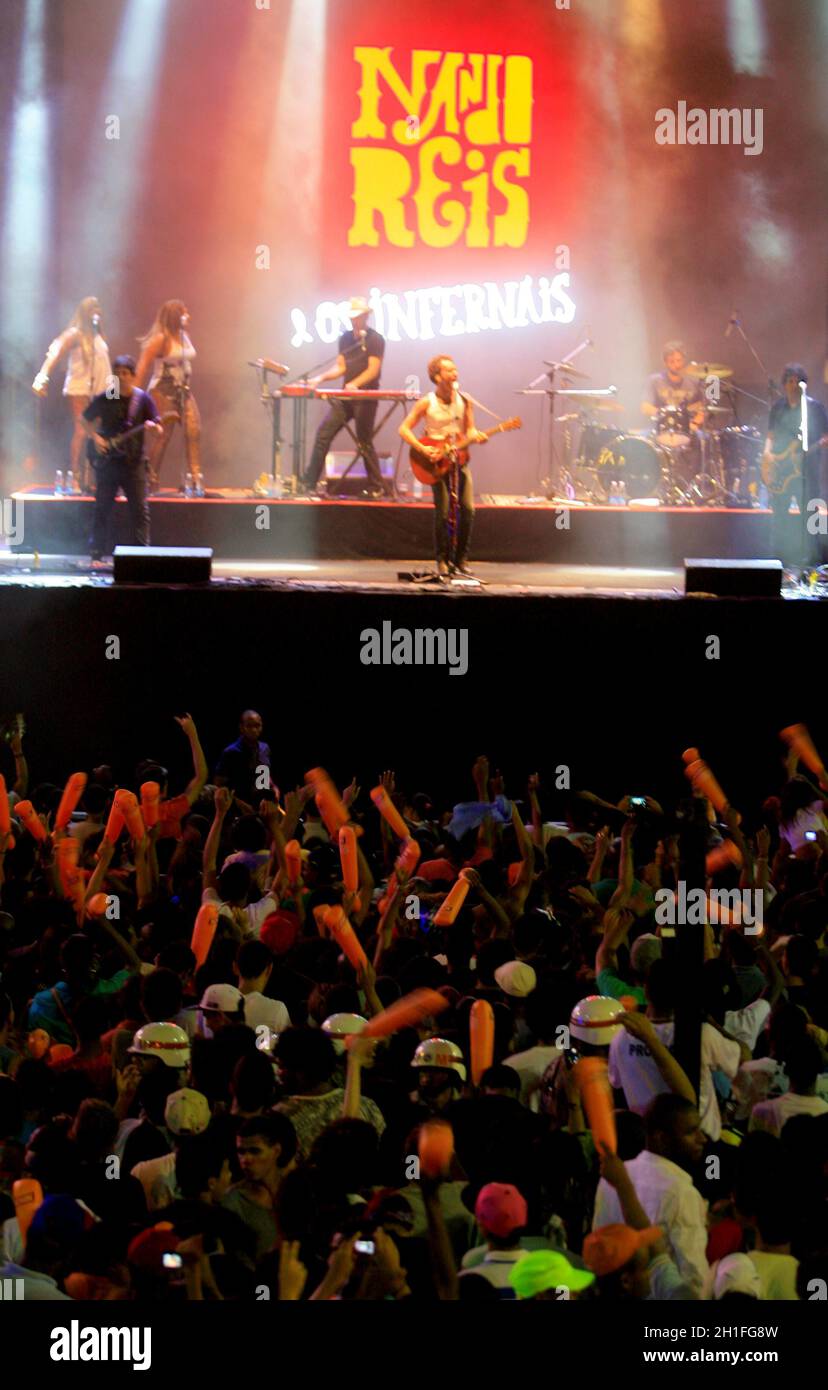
{"x": 451, "y": 451}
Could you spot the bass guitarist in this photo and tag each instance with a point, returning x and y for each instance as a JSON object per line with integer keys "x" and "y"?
{"x": 447, "y": 414}
{"x": 123, "y": 465}
{"x": 789, "y": 471}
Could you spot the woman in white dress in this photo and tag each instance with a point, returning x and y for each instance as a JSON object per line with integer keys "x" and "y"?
{"x": 166, "y": 364}
{"x": 87, "y": 373}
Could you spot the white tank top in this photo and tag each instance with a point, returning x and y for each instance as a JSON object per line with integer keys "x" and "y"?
{"x": 441, "y": 420}
{"x": 177, "y": 364}
{"x": 79, "y": 369}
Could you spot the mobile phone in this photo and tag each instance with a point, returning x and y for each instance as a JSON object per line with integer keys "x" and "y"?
{"x": 364, "y": 1247}
{"x": 170, "y": 1260}
{"x": 810, "y": 834}
{"x": 639, "y": 802}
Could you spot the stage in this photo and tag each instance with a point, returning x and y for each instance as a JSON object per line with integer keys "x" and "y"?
{"x": 508, "y": 530}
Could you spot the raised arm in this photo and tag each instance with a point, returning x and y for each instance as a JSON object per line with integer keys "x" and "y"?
{"x": 641, "y": 1027}
{"x": 223, "y": 802}
{"x": 198, "y": 780}
{"x": 617, "y": 922}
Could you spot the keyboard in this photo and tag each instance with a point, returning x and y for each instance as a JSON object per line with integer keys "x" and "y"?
{"x": 301, "y": 391}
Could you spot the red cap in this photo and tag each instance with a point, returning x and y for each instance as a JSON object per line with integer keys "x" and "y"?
{"x": 279, "y": 931}
{"x": 500, "y": 1209}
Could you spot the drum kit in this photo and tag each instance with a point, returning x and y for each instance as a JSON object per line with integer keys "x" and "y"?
{"x": 680, "y": 461}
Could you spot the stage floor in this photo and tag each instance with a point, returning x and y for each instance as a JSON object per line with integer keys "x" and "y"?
{"x": 383, "y": 576}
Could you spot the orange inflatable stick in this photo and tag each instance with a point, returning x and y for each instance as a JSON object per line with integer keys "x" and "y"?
{"x": 59, "y": 1052}
{"x": 27, "y": 1195}
{"x": 435, "y": 1148}
{"x": 26, "y": 811}
{"x": 405, "y": 1013}
{"x": 407, "y": 860}
{"x": 115, "y": 823}
{"x": 389, "y": 812}
{"x": 204, "y": 931}
{"x": 446, "y": 914}
{"x": 67, "y": 853}
{"x": 704, "y": 781}
{"x": 691, "y": 755}
{"x": 724, "y": 855}
{"x": 348, "y": 858}
{"x": 5, "y": 814}
{"x": 482, "y": 1035}
{"x": 72, "y": 793}
{"x": 96, "y": 907}
{"x": 332, "y": 808}
{"x": 345, "y": 937}
{"x": 150, "y": 796}
{"x": 592, "y": 1080}
{"x": 127, "y": 801}
{"x": 800, "y": 742}
{"x": 293, "y": 854}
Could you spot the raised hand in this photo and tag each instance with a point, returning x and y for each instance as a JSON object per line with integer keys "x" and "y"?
{"x": 223, "y": 800}
{"x": 351, "y": 792}
{"x": 292, "y": 1273}
{"x": 388, "y": 782}
{"x": 187, "y": 723}
{"x": 533, "y": 783}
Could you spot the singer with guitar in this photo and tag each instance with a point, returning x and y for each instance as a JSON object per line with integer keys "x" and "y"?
{"x": 791, "y": 470}
{"x": 117, "y": 428}
{"x": 447, "y": 415}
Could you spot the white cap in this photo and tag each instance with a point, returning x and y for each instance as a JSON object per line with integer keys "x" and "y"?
{"x": 340, "y": 1026}
{"x": 592, "y": 1019}
{"x": 222, "y": 999}
{"x": 516, "y": 978}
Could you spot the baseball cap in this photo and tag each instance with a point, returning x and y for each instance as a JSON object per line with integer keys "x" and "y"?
{"x": 645, "y": 949}
{"x": 547, "y": 1269}
{"x": 279, "y": 931}
{"x": 516, "y": 978}
{"x": 187, "y": 1112}
{"x": 736, "y": 1274}
{"x": 500, "y": 1209}
{"x": 146, "y": 1250}
{"x": 225, "y": 999}
{"x": 611, "y": 1247}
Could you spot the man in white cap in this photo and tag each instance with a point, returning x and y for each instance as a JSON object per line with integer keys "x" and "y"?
{"x": 359, "y": 361}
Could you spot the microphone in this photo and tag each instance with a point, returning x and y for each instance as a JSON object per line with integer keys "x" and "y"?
{"x": 185, "y": 319}
{"x": 96, "y": 322}
{"x": 733, "y": 322}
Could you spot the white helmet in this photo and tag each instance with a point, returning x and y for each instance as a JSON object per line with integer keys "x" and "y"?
{"x": 593, "y": 1019}
{"x": 439, "y": 1053}
{"x": 340, "y": 1026}
{"x": 164, "y": 1040}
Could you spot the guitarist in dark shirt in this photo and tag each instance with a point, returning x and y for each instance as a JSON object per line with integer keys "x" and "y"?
{"x": 789, "y": 471}
{"x": 124, "y": 464}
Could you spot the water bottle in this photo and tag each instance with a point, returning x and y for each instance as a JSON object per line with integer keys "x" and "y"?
{"x": 793, "y": 509}
{"x": 613, "y": 494}
{"x": 417, "y": 488}
{"x": 69, "y": 488}
{"x": 188, "y": 485}
{"x": 59, "y": 483}
{"x": 622, "y": 493}
{"x": 198, "y": 487}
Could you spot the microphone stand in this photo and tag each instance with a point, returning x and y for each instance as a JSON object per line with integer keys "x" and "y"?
{"x": 553, "y": 480}
{"x": 773, "y": 389}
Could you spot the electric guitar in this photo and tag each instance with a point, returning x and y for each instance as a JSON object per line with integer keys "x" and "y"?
{"x": 780, "y": 470}
{"x": 451, "y": 451}
{"x": 96, "y": 455}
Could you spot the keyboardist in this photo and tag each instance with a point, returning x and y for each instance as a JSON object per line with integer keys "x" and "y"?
{"x": 361, "y": 351}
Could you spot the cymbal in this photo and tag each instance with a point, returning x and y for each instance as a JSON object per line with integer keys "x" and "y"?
{"x": 268, "y": 365}
{"x": 703, "y": 369}
{"x": 565, "y": 368}
{"x": 718, "y": 410}
{"x": 588, "y": 402}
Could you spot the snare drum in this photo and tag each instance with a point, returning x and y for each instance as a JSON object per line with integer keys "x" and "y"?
{"x": 633, "y": 461}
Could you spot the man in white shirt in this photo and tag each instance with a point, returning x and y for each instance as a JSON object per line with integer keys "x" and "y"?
{"x": 254, "y": 965}
{"x": 803, "y": 1063}
{"x": 530, "y": 1065}
{"x": 661, "y": 1176}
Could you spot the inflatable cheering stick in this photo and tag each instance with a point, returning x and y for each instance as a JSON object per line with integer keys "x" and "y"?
{"x": 26, "y": 811}
{"x": 800, "y": 742}
{"x": 348, "y": 859}
{"x": 72, "y": 793}
{"x": 345, "y": 937}
{"x": 130, "y": 810}
{"x": 204, "y": 931}
{"x": 293, "y": 854}
{"x": 592, "y": 1080}
{"x": 389, "y": 812}
{"x": 150, "y": 798}
{"x": 332, "y": 808}
{"x": 405, "y": 1013}
{"x": 481, "y": 1032}
{"x": 446, "y": 914}
{"x": 704, "y": 781}
{"x": 5, "y": 814}
{"x": 27, "y": 1195}
{"x": 115, "y": 823}
{"x": 435, "y": 1148}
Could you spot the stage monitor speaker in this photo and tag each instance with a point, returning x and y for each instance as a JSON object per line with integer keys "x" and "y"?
{"x": 733, "y": 578}
{"x": 150, "y": 564}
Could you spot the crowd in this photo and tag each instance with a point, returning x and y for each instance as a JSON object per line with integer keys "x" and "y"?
{"x": 247, "y": 1053}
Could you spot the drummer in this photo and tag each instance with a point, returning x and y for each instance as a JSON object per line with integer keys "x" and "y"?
{"x": 674, "y": 392}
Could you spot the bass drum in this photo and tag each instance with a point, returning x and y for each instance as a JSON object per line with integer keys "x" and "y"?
{"x": 741, "y": 447}
{"x": 594, "y": 439}
{"x": 633, "y": 461}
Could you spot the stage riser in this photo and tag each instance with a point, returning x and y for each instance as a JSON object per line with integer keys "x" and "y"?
{"x": 502, "y": 534}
